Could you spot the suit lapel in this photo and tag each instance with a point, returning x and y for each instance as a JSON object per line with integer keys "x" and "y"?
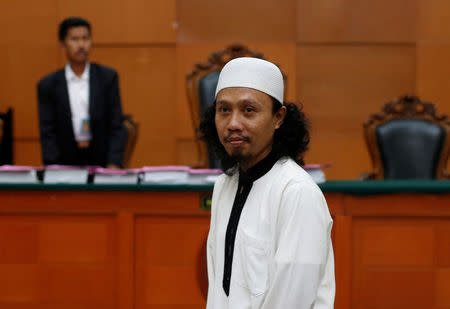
{"x": 63, "y": 93}
{"x": 63, "y": 97}
{"x": 93, "y": 90}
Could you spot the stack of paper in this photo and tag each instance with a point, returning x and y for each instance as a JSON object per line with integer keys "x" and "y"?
{"x": 116, "y": 176}
{"x": 66, "y": 174}
{"x": 203, "y": 176}
{"x": 165, "y": 174}
{"x": 17, "y": 174}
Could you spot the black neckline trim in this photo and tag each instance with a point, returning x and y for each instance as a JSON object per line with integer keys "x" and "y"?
{"x": 245, "y": 185}
{"x": 259, "y": 169}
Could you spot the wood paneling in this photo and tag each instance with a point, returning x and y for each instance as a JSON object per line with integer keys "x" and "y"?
{"x": 442, "y": 288}
{"x": 340, "y": 86}
{"x": 23, "y": 248}
{"x": 396, "y": 259}
{"x": 397, "y": 245}
{"x": 151, "y": 250}
{"x": 27, "y": 152}
{"x": 160, "y": 251}
{"x": 18, "y": 283}
{"x": 348, "y": 164}
{"x": 63, "y": 243}
{"x": 171, "y": 286}
{"x": 432, "y": 53}
{"x": 57, "y": 260}
{"x": 433, "y": 71}
{"x": 77, "y": 284}
{"x": 356, "y": 21}
{"x": 28, "y": 50}
{"x": 186, "y": 151}
{"x": 25, "y": 66}
{"x": 28, "y": 23}
{"x": 443, "y": 245}
{"x": 147, "y": 77}
{"x": 434, "y": 21}
{"x": 125, "y": 21}
{"x": 167, "y": 268}
{"x": 236, "y": 21}
{"x": 393, "y": 289}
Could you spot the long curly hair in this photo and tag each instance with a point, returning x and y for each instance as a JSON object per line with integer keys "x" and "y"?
{"x": 290, "y": 139}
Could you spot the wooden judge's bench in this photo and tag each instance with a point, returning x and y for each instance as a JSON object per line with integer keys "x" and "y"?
{"x": 142, "y": 246}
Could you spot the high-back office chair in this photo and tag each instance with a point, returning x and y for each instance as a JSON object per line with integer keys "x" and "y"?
{"x": 132, "y": 130}
{"x": 6, "y": 137}
{"x": 408, "y": 140}
{"x": 201, "y": 85}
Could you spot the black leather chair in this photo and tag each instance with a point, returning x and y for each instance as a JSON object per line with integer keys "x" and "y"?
{"x": 201, "y": 85}
{"x": 408, "y": 140}
{"x": 6, "y": 137}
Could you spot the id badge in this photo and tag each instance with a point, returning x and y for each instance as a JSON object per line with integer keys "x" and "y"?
{"x": 85, "y": 130}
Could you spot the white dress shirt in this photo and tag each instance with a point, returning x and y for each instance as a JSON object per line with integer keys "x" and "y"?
{"x": 283, "y": 256}
{"x": 78, "y": 88}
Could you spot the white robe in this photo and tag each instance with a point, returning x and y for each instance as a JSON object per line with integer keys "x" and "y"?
{"x": 283, "y": 256}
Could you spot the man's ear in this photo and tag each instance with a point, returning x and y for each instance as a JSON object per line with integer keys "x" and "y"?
{"x": 279, "y": 116}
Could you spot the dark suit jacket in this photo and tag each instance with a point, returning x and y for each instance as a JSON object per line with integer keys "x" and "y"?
{"x": 105, "y": 112}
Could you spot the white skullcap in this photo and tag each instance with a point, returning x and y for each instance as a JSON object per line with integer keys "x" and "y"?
{"x": 252, "y": 73}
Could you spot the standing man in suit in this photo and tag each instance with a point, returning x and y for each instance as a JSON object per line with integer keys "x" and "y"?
{"x": 80, "y": 113}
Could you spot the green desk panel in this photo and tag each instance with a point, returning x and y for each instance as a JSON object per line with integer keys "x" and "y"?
{"x": 350, "y": 187}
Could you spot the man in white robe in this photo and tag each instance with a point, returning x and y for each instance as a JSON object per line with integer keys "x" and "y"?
{"x": 269, "y": 244}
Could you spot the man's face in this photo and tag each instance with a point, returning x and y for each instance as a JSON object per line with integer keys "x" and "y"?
{"x": 245, "y": 124}
{"x": 77, "y": 44}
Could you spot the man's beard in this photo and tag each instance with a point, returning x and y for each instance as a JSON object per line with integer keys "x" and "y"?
{"x": 236, "y": 153}
{"x": 240, "y": 158}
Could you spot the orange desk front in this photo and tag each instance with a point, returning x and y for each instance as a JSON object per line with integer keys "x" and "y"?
{"x": 92, "y": 246}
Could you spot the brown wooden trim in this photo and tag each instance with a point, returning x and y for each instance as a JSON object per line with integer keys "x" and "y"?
{"x": 95, "y": 202}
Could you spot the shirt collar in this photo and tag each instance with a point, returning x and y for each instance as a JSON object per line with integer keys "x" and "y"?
{"x": 259, "y": 169}
{"x": 71, "y": 76}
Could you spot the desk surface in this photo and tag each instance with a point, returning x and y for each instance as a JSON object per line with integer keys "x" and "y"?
{"x": 348, "y": 186}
